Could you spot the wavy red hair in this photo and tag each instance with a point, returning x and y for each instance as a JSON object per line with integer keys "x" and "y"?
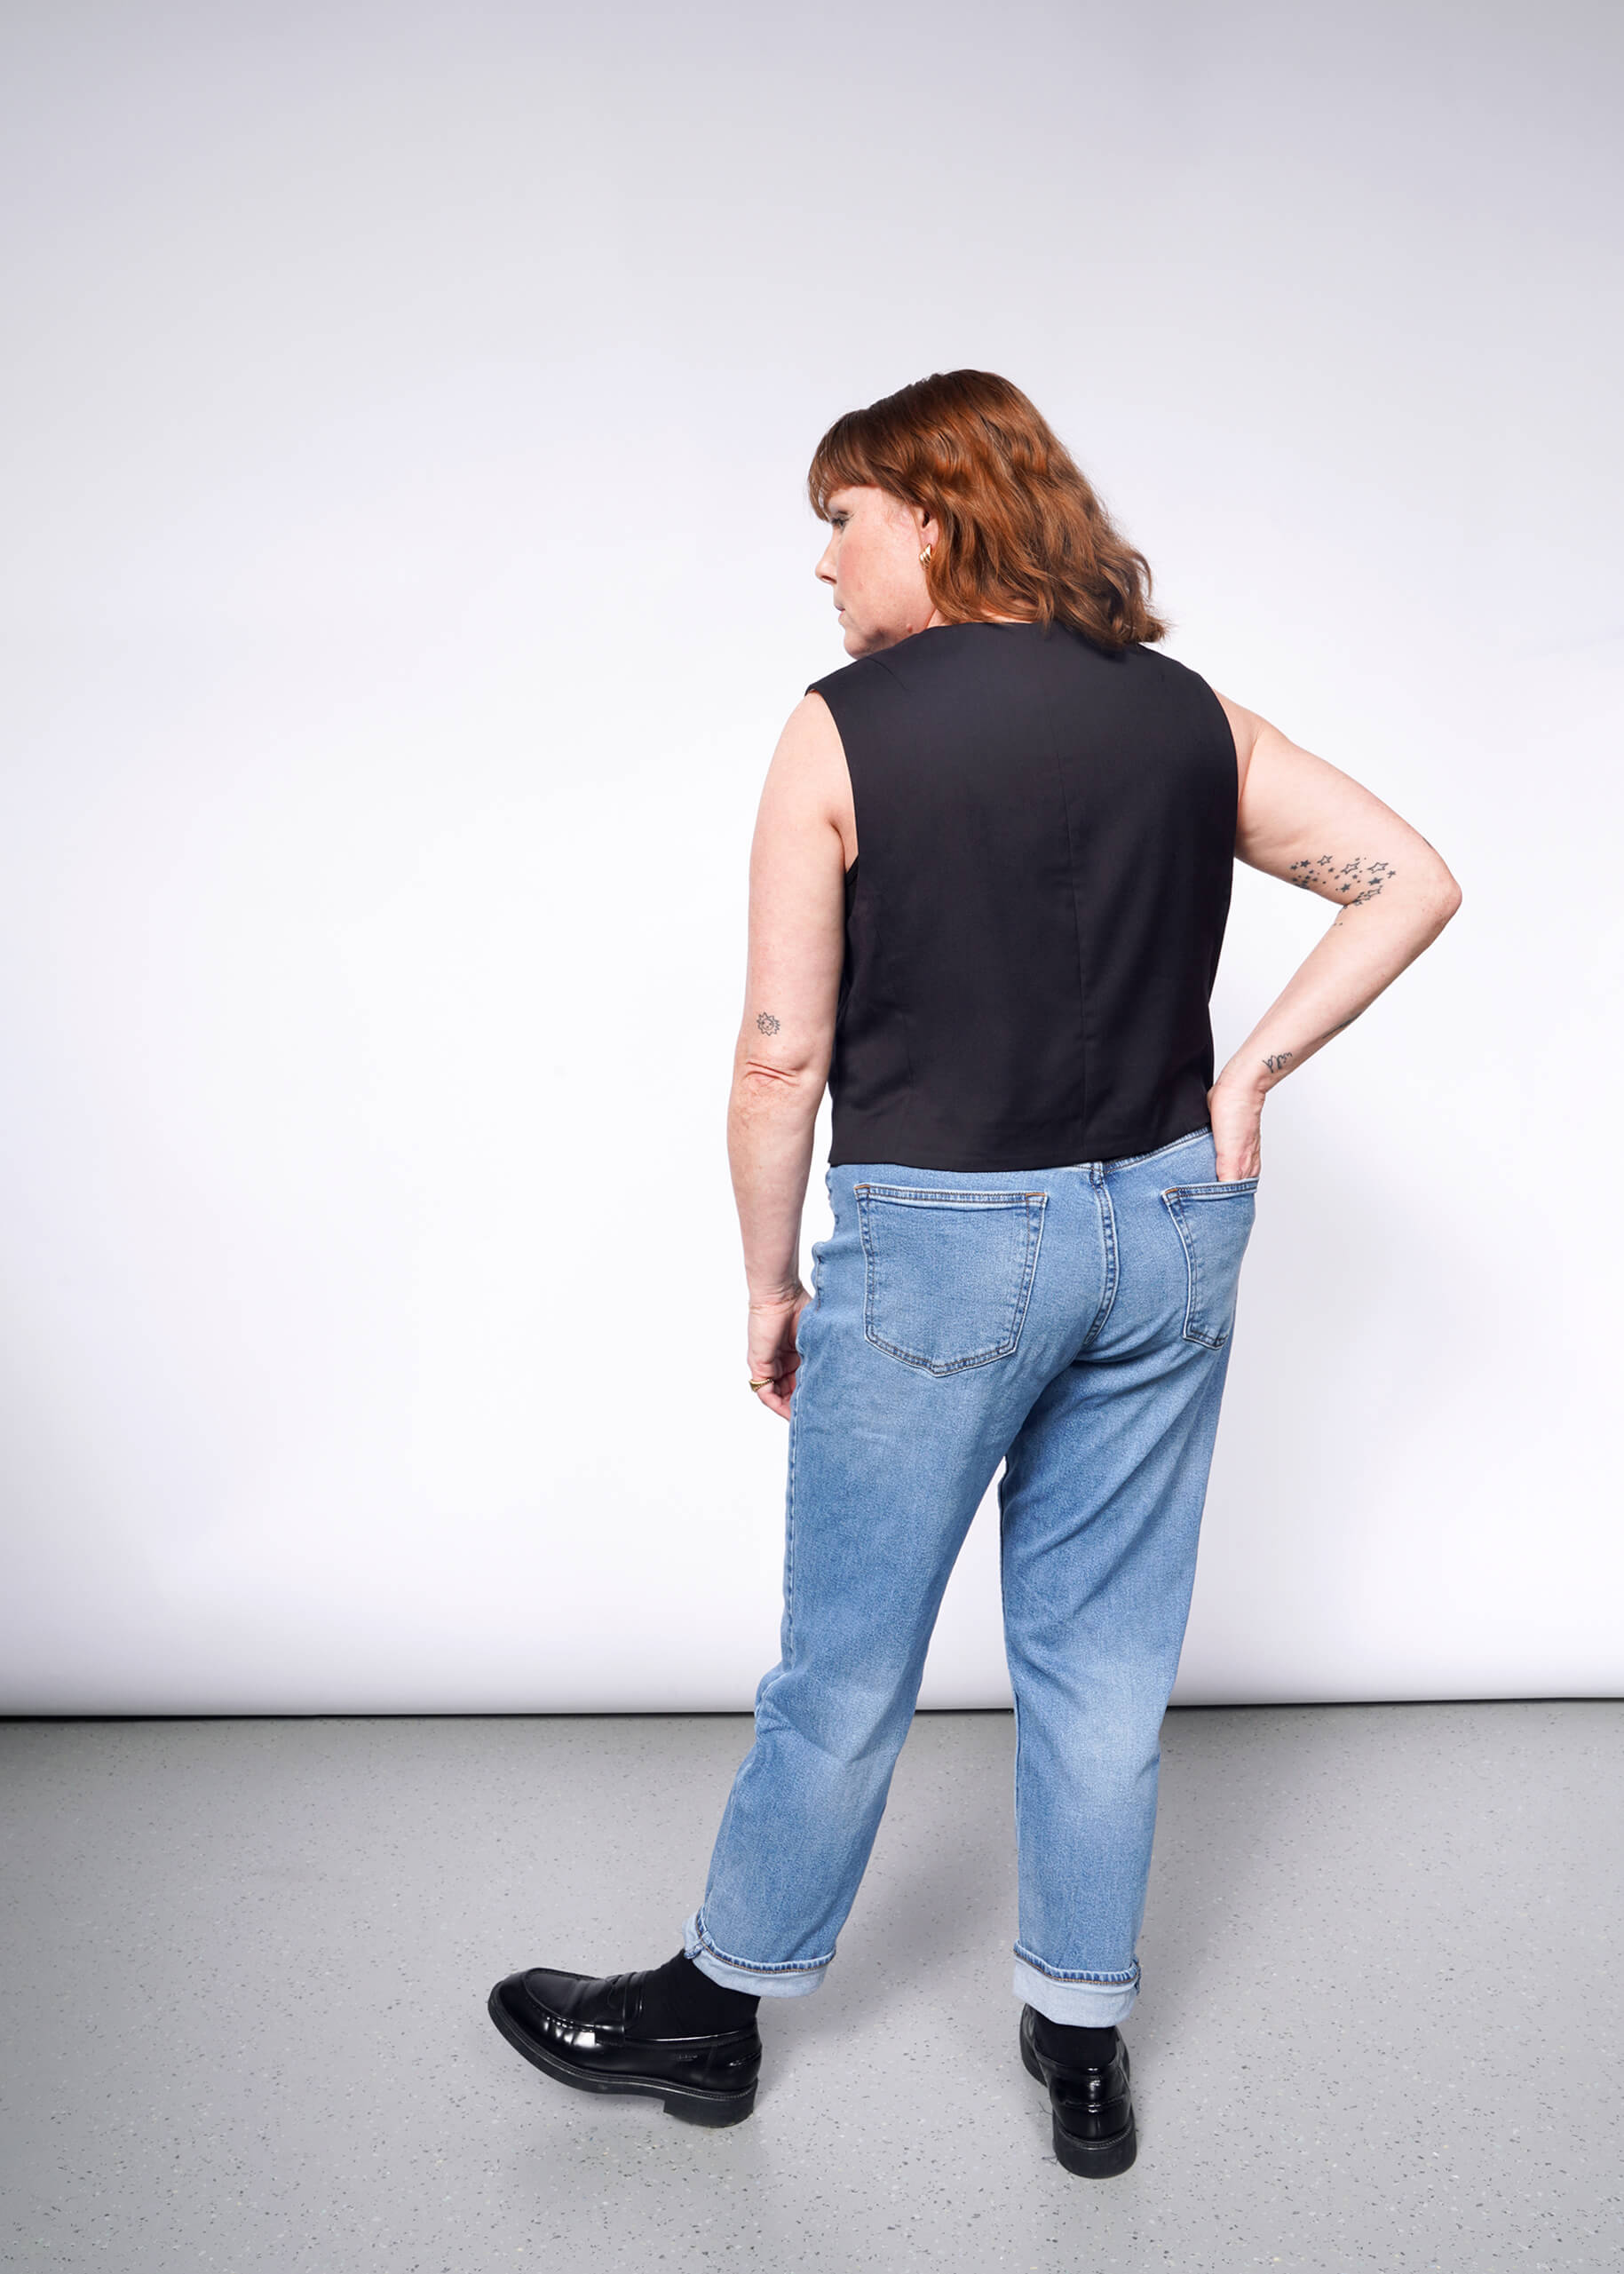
{"x": 1023, "y": 533}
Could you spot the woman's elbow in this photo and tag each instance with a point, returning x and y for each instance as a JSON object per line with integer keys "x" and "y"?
{"x": 1441, "y": 897}
{"x": 760, "y": 1087}
{"x": 1449, "y": 896}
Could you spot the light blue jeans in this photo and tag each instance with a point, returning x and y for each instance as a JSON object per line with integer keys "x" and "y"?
{"x": 1073, "y": 1323}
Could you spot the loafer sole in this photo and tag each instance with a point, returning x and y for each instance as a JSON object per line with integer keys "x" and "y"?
{"x": 685, "y": 2102}
{"x": 1088, "y": 2158}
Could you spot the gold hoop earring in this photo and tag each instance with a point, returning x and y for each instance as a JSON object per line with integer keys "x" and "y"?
{"x": 924, "y": 557}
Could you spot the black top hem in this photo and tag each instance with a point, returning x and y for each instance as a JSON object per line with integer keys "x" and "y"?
{"x": 954, "y": 1161}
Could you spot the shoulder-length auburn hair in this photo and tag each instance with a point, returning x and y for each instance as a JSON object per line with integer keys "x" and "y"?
{"x": 1022, "y": 534}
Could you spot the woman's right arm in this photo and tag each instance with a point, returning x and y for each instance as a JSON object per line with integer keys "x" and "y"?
{"x": 1302, "y": 820}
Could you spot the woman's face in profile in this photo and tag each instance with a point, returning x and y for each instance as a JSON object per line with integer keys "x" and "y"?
{"x": 872, "y": 565}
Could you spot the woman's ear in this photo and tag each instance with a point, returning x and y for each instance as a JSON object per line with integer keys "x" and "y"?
{"x": 927, "y": 525}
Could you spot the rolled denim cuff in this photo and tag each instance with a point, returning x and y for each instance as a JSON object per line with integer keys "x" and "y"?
{"x": 795, "y": 1981}
{"x": 1076, "y": 2004}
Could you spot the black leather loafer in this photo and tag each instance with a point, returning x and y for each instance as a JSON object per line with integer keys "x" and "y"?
{"x": 1093, "y": 2108}
{"x": 583, "y": 2030}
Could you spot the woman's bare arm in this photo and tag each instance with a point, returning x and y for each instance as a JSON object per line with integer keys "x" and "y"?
{"x": 1305, "y": 822}
{"x": 797, "y": 942}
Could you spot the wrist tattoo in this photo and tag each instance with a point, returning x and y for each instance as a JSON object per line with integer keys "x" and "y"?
{"x": 1279, "y": 1061}
{"x": 765, "y": 1023}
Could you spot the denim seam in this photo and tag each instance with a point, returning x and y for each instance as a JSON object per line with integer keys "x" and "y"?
{"x": 1016, "y": 1812}
{"x": 797, "y": 1406}
{"x": 944, "y": 1196}
{"x": 749, "y": 1965}
{"x": 1035, "y": 1204}
{"x": 1004, "y": 1521}
{"x": 1068, "y": 1974}
{"x": 1108, "y": 1232}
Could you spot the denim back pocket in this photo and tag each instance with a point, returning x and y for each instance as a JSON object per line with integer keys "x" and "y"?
{"x": 947, "y": 1273}
{"x": 1214, "y": 1222}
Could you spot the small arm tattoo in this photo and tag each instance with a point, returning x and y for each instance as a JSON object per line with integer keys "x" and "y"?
{"x": 765, "y": 1023}
{"x": 1277, "y": 1061}
{"x": 1352, "y": 881}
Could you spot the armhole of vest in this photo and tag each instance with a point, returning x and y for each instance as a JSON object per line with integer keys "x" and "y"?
{"x": 1226, "y": 734}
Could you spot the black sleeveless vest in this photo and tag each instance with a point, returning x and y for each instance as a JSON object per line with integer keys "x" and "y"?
{"x": 1046, "y": 835}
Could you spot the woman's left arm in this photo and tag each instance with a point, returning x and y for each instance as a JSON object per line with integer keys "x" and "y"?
{"x": 797, "y": 942}
{"x": 1310, "y": 825}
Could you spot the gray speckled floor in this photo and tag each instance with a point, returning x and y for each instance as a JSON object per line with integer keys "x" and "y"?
{"x": 245, "y": 1965}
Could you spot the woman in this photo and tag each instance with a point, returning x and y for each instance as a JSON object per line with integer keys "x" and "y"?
{"x": 988, "y": 888}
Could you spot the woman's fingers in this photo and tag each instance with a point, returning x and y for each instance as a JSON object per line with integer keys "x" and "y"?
{"x": 774, "y": 1360}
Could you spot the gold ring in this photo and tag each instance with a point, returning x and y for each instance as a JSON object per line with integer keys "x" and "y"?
{"x": 763, "y": 1384}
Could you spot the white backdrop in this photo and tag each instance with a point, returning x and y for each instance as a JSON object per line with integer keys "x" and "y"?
{"x": 408, "y": 572}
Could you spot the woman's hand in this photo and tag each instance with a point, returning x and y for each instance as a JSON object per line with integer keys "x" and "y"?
{"x": 1237, "y": 1111}
{"x": 774, "y": 1357}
